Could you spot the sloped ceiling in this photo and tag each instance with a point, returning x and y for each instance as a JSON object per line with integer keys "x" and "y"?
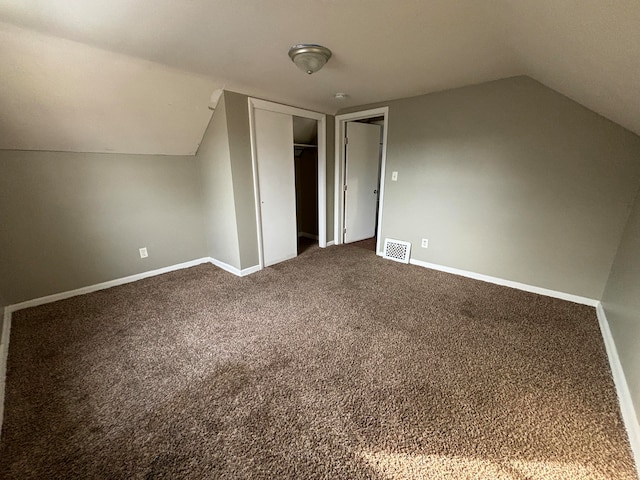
{"x": 589, "y": 50}
{"x": 167, "y": 58}
{"x": 60, "y": 95}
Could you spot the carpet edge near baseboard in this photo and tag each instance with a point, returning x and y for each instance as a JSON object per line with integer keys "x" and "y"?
{"x": 35, "y": 302}
{"x": 570, "y": 297}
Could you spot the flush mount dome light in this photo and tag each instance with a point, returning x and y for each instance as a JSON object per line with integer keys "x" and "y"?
{"x": 309, "y": 57}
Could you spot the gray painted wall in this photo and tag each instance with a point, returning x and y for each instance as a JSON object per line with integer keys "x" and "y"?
{"x": 510, "y": 179}
{"x": 219, "y": 211}
{"x": 70, "y": 220}
{"x": 237, "y": 110}
{"x": 621, "y": 303}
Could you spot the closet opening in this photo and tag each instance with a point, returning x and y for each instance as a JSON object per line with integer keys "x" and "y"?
{"x": 305, "y": 154}
{"x": 277, "y": 193}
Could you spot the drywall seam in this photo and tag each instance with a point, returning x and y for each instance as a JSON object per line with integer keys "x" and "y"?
{"x": 508, "y": 283}
{"x": 627, "y": 409}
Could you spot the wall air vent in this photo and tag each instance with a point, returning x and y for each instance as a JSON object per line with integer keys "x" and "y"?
{"x": 396, "y": 250}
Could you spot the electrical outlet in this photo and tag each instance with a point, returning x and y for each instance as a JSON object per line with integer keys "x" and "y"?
{"x": 394, "y": 176}
{"x": 425, "y": 243}
{"x": 143, "y": 252}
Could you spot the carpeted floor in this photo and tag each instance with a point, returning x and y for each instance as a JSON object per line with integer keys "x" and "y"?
{"x": 336, "y": 365}
{"x": 367, "y": 243}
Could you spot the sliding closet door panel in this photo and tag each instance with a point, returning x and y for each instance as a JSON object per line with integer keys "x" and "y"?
{"x": 276, "y": 181}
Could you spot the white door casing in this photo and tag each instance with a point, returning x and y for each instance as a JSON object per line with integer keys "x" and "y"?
{"x": 276, "y": 177}
{"x": 362, "y": 163}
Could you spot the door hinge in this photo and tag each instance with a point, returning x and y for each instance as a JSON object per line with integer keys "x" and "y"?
{"x": 345, "y": 230}
{"x": 344, "y": 188}
{"x": 346, "y": 140}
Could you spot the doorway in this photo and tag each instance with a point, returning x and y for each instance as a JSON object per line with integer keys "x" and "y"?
{"x": 274, "y": 178}
{"x": 362, "y": 181}
{"x": 305, "y": 156}
{"x": 361, "y": 140}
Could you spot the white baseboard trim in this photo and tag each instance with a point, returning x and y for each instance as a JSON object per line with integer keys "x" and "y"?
{"x": 231, "y": 269}
{"x": 248, "y": 271}
{"x": 131, "y": 278}
{"x": 627, "y": 409}
{"x": 332, "y": 242}
{"x": 101, "y": 286}
{"x": 4, "y": 352}
{"x": 225, "y": 266}
{"x": 508, "y": 283}
{"x": 310, "y": 236}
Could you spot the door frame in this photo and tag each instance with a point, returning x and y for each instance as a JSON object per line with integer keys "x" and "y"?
{"x": 254, "y": 103}
{"x": 340, "y": 159}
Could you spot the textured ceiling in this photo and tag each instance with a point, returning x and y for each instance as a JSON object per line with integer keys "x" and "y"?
{"x": 587, "y": 49}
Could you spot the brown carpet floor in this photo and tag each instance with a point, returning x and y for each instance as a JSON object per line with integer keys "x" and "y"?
{"x": 335, "y": 365}
{"x": 367, "y": 243}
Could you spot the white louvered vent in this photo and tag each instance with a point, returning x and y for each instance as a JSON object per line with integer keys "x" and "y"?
{"x": 396, "y": 250}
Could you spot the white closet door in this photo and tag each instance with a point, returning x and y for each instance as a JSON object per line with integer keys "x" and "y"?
{"x": 276, "y": 181}
{"x": 362, "y": 170}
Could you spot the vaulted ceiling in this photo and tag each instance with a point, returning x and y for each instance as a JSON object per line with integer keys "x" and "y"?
{"x": 136, "y": 76}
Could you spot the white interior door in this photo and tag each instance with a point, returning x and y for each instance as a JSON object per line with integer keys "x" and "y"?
{"x": 276, "y": 180}
{"x": 362, "y": 161}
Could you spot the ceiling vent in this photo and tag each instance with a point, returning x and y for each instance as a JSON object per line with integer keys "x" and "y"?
{"x": 397, "y": 250}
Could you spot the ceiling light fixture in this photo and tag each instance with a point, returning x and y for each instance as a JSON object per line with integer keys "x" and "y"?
{"x": 309, "y": 57}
